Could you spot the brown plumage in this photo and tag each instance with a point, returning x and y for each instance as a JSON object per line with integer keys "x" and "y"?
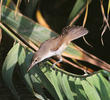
{"x": 56, "y": 45}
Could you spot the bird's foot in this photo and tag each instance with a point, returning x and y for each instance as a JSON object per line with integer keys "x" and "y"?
{"x": 53, "y": 66}
{"x": 60, "y": 60}
{"x": 85, "y": 72}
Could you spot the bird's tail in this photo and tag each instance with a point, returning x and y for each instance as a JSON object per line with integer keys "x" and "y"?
{"x": 74, "y": 32}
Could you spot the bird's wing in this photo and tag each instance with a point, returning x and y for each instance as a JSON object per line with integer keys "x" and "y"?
{"x": 58, "y": 42}
{"x": 69, "y": 34}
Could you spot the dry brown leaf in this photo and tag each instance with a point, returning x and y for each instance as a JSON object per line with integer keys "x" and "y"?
{"x": 105, "y": 20}
{"x": 84, "y": 22}
{"x": 78, "y": 15}
{"x": 94, "y": 60}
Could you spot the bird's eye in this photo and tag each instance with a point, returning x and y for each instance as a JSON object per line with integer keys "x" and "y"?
{"x": 35, "y": 60}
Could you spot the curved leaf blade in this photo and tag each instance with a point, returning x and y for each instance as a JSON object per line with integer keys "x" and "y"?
{"x": 66, "y": 87}
{"x": 32, "y": 31}
{"x": 90, "y": 90}
{"x": 45, "y": 81}
{"x": 101, "y": 84}
{"x": 24, "y": 61}
{"x": 76, "y": 9}
{"x": 79, "y": 90}
{"x": 51, "y": 75}
{"x": 8, "y": 68}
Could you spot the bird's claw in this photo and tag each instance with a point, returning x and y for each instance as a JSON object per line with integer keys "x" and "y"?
{"x": 85, "y": 72}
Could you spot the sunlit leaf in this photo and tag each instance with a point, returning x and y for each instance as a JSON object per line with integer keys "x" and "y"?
{"x": 90, "y": 90}
{"x": 79, "y": 89}
{"x": 31, "y": 30}
{"x": 100, "y": 84}
{"x": 36, "y": 33}
{"x": 60, "y": 84}
{"x": 64, "y": 81}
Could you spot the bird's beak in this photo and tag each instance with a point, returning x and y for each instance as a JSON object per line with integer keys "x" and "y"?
{"x": 32, "y": 65}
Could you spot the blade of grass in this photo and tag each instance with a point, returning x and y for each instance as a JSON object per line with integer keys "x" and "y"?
{"x": 103, "y": 13}
{"x": 94, "y": 60}
{"x": 52, "y": 76}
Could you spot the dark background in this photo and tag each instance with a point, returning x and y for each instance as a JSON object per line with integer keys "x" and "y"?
{"x": 56, "y": 14}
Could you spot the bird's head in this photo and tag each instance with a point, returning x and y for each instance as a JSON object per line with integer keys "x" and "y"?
{"x": 34, "y": 62}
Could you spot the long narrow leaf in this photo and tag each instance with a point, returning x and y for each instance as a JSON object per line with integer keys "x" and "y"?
{"x": 76, "y": 9}
{"x": 79, "y": 90}
{"x": 31, "y": 30}
{"x": 66, "y": 87}
{"x": 102, "y": 86}
{"x": 24, "y": 62}
{"x": 8, "y": 68}
{"x": 34, "y": 32}
{"x": 52, "y": 77}
{"x": 90, "y": 90}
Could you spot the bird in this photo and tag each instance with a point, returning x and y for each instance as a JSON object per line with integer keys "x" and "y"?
{"x": 56, "y": 45}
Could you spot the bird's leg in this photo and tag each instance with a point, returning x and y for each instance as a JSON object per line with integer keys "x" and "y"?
{"x": 85, "y": 71}
{"x": 60, "y": 60}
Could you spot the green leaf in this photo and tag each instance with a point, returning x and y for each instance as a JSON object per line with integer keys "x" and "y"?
{"x": 24, "y": 62}
{"x": 45, "y": 82}
{"x": 65, "y": 86}
{"x": 9, "y": 3}
{"x": 77, "y": 8}
{"x": 38, "y": 87}
{"x": 51, "y": 75}
{"x": 8, "y": 68}
{"x": 23, "y": 67}
{"x": 106, "y": 74}
{"x": 30, "y": 30}
{"x": 101, "y": 84}
{"x": 60, "y": 84}
{"x": 79, "y": 90}
{"x": 34, "y": 78}
{"x": 90, "y": 90}
{"x": 25, "y": 26}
